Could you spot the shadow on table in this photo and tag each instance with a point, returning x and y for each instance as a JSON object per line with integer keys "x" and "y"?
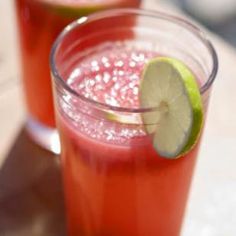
{"x": 31, "y": 197}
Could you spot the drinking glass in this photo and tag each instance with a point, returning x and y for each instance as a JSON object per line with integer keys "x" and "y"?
{"x": 115, "y": 182}
{"x": 39, "y": 23}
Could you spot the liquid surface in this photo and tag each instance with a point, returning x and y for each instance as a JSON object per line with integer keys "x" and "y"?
{"x": 111, "y": 77}
{"x": 78, "y": 2}
{"x": 92, "y": 4}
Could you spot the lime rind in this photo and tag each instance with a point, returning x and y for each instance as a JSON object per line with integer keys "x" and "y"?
{"x": 195, "y": 100}
{"x": 168, "y": 81}
{"x": 196, "y": 103}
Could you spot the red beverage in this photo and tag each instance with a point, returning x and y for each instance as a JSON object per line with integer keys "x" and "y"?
{"x": 115, "y": 183}
{"x": 40, "y": 21}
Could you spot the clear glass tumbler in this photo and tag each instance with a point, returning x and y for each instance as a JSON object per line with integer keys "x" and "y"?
{"x": 39, "y": 23}
{"x": 115, "y": 182}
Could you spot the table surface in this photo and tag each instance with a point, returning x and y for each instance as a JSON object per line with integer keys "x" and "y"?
{"x": 31, "y": 196}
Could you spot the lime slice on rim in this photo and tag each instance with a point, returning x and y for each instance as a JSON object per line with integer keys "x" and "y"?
{"x": 170, "y": 86}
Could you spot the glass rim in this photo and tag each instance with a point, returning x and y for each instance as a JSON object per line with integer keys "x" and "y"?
{"x": 118, "y": 12}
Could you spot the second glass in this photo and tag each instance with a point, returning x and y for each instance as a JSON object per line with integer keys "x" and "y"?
{"x": 39, "y": 22}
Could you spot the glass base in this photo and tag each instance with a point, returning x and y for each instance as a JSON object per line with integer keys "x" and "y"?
{"x": 43, "y": 135}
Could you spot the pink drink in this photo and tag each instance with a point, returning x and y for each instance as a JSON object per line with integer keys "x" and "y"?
{"x": 116, "y": 184}
{"x": 39, "y": 23}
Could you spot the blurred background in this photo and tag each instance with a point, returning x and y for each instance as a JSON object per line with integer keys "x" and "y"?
{"x": 217, "y": 15}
